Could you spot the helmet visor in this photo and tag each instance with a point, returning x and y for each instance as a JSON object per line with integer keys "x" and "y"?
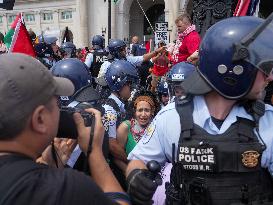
{"x": 256, "y": 48}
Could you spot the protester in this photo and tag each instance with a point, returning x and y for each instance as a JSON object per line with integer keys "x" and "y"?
{"x": 161, "y": 66}
{"x": 145, "y": 106}
{"x": 26, "y": 132}
{"x": 218, "y": 138}
{"x": 187, "y": 41}
{"x": 133, "y": 46}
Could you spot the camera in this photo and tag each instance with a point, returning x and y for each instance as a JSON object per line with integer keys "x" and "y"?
{"x": 67, "y": 126}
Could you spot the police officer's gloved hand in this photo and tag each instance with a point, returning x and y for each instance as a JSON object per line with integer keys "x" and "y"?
{"x": 142, "y": 185}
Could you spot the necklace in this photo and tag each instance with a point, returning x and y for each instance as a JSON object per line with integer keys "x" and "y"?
{"x": 136, "y": 130}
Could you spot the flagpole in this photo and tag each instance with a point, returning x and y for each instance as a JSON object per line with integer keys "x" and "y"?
{"x": 145, "y": 16}
{"x": 16, "y": 31}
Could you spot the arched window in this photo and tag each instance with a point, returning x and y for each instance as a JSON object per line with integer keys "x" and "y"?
{"x": 155, "y": 14}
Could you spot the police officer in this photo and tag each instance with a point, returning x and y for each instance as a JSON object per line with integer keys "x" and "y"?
{"x": 47, "y": 50}
{"x": 178, "y": 73}
{"x": 163, "y": 93}
{"x": 76, "y": 71}
{"x": 117, "y": 51}
{"x": 121, "y": 78}
{"x": 220, "y": 138}
{"x": 68, "y": 50}
{"x": 97, "y": 56}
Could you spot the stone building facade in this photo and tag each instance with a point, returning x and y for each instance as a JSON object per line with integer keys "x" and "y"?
{"x": 85, "y": 18}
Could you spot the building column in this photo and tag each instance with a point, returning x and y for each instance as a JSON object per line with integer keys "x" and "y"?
{"x": 113, "y": 20}
{"x": 56, "y": 18}
{"x": 123, "y": 25}
{"x": 5, "y": 23}
{"x": 171, "y": 13}
{"x": 38, "y": 20}
{"x": 81, "y": 22}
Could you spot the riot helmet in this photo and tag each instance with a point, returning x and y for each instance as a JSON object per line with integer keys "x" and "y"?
{"x": 43, "y": 50}
{"x": 116, "y": 47}
{"x": 47, "y": 39}
{"x": 162, "y": 88}
{"x": 178, "y": 73}
{"x": 231, "y": 53}
{"x": 119, "y": 73}
{"x": 163, "y": 92}
{"x": 73, "y": 69}
{"x": 68, "y": 50}
{"x": 98, "y": 42}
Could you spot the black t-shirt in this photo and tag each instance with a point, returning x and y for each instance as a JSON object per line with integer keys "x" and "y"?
{"x": 49, "y": 186}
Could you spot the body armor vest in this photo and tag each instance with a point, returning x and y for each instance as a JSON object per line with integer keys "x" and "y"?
{"x": 223, "y": 169}
{"x": 99, "y": 57}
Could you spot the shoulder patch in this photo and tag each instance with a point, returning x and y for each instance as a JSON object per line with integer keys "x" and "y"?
{"x": 109, "y": 118}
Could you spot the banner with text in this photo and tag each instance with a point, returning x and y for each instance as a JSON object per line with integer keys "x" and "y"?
{"x": 161, "y": 32}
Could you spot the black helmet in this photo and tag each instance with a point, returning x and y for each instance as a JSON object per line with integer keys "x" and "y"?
{"x": 68, "y": 49}
{"x": 98, "y": 42}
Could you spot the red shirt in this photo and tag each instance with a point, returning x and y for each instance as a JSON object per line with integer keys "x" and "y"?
{"x": 189, "y": 45}
{"x": 160, "y": 67}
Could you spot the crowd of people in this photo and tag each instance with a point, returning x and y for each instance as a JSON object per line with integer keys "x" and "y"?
{"x": 186, "y": 123}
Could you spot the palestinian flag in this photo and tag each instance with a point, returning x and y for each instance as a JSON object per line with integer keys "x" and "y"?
{"x": 17, "y": 39}
{"x": 10, "y": 33}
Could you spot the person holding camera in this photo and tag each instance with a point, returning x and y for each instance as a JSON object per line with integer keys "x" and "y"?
{"x": 28, "y": 124}
{"x": 84, "y": 95}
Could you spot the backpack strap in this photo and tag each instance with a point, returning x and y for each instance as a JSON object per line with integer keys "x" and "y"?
{"x": 111, "y": 102}
{"x": 12, "y": 175}
{"x": 256, "y": 109}
{"x": 184, "y": 108}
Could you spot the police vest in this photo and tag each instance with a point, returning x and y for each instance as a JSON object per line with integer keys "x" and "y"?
{"x": 99, "y": 57}
{"x": 223, "y": 169}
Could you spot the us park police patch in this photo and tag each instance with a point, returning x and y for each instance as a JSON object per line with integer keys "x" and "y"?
{"x": 197, "y": 158}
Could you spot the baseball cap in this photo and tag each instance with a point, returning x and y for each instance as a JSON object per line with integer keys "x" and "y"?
{"x": 26, "y": 83}
{"x": 195, "y": 84}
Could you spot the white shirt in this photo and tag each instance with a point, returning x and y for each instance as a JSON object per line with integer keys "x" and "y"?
{"x": 135, "y": 60}
{"x": 89, "y": 60}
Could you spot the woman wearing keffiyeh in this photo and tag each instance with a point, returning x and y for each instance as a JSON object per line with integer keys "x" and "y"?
{"x": 187, "y": 42}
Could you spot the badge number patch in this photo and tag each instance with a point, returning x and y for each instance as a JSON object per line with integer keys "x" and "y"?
{"x": 197, "y": 158}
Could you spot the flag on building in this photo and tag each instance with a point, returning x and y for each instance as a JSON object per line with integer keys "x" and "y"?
{"x": 17, "y": 39}
{"x": 253, "y": 7}
{"x": 242, "y": 8}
